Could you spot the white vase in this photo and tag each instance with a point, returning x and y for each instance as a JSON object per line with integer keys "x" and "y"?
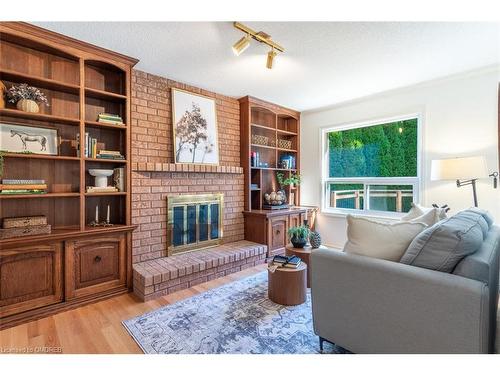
{"x": 27, "y": 105}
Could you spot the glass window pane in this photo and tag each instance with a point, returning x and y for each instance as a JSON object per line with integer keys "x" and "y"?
{"x": 346, "y": 196}
{"x": 393, "y": 198}
{"x": 384, "y": 150}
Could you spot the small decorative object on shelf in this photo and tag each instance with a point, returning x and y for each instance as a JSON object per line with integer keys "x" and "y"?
{"x": 9, "y": 186}
{"x": 119, "y": 178}
{"x": 299, "y": 236}
{"x": 275, "y": 199}
{"x": 285, "y": 143}
{"x": 24, "y": 226}
{"x": 26, "y": 97}
{"x": 42, "y": 140}
{"x": 260, "y": 140}
{"x": 97, "y": 223}
{"x": 291, "y": 181}
{"x": 109, "y": 118}
{"x": 3, "y": 89}
{"x": 101, "y": 177}
{"x": 287, "y": 162}
{"x": 254, "y": 186}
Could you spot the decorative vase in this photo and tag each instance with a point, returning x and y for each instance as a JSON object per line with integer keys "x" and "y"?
{"x": 27, "y": 105}
{"x": 2, "y": 94}
{"x": 298, "y": 243}
{"x": 315, "y": 240}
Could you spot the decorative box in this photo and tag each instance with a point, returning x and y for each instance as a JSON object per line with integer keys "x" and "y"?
{"x": 24, "y": 221}
{"x": 284, "y": 143}
{"x": 260, "y": 140}
{"x": 26, "y": 231}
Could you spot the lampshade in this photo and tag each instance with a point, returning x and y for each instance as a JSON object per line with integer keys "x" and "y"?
{"x": 459, "y": 168}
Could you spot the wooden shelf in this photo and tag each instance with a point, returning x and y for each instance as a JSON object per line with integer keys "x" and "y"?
{"x": 274, "y": 169}
{"x": 106, "y": 95}
{"x": 51, "y": 84}
{"x": 285, "y": 149}
{"x": 39, "y": 116}
{"x": 95, "y": 124}
{"x": 106, "y": 160}
{"x": 263, "y": 127}
{"x": 39, "y": 156}
{"x": 102, "y": 194}
{"x": 46, "y": 195}
{"x": 285, "y": 132}
{"x": 262, "y": 146}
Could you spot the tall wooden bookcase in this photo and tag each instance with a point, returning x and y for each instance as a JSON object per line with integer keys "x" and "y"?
{"x": 76, "y": 263}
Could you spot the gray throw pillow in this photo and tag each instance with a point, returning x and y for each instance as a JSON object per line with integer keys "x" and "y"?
{"x": 485, "y": 214}
{"x": 447, "y": 242}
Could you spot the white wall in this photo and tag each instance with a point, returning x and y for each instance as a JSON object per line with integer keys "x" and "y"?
{"x": 459, "y": 117}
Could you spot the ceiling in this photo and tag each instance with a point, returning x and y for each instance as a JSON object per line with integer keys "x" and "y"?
{"x": 324, "y": 63}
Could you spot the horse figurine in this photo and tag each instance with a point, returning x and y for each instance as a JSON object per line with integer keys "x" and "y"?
{"x": 25, "y": 137}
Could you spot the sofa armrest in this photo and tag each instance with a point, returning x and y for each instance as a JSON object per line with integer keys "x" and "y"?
{"x": 370, "y": 305}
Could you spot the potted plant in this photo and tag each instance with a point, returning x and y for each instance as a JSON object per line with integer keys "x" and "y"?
{"x": 291, "y": 181}
{"x": 299, "y": 236}
{"x": 26, "y": 97}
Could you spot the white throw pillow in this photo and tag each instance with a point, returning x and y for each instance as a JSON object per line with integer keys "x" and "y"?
{"x": 380, "y": 239}
{"x": 426, "y": 215}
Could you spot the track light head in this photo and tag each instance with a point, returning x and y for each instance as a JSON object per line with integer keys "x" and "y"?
{"x": 270, "y": 59}
{"x": 241, "y": 45}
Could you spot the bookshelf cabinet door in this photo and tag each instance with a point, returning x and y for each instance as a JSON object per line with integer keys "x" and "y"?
{"x": 30, "y": 277}
{"x": 95, "y": 265}
{"x": 278, "y": 237}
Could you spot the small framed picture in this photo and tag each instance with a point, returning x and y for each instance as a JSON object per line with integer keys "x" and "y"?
{"x": 30, "y": 139}
{"x": 195, "y": 128}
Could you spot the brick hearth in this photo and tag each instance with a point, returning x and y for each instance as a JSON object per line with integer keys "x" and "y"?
{"x": 158, "y": 277}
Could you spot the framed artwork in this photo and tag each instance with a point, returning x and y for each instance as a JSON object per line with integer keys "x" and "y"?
{"x": 195, "y": 128}
{"x": 30, "y": 139}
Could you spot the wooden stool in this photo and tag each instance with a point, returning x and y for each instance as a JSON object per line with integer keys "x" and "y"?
{"x": 303, "y": 253}
{"x": 288, "y": 286}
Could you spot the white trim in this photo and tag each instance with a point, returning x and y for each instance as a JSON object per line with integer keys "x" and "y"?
{"x": 417, "y": 181}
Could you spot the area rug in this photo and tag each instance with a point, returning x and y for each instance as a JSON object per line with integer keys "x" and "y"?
{"x": 237, "y": 318}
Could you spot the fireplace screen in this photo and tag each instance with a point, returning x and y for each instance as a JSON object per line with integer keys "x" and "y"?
{"x": 194, "y": 222}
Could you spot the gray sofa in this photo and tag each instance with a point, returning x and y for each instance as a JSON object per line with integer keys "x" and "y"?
{"x": 369, "y": 305}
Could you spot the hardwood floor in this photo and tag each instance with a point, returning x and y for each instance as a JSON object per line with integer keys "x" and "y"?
{"x": 96, "y": 328}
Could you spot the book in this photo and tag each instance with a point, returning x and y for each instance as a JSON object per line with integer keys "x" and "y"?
{"x": 107, "y": 189}
{"x": 93, "y": 153}
{"x": 23, "y": 187}
{"x": 109, "y": 115}
{"x": 111, "y": 157}
{"x": 112, "y": 122}
{"x": 27, "y": 191}
{"x": 87, "y": 148}
{"x": 6, "y": 181}
{"x": 287, "y": 261}
{"x": 78, "y": 145}
{"x": 109, "y": 152}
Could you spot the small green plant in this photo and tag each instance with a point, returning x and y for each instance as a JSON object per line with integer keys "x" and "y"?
{"x": 299, "y": 233}
{"x": 294, "y": 179}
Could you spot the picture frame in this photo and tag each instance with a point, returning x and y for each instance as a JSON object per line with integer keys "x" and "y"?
{"x": 195, "y": 128}
{"x": 22, "y": 138}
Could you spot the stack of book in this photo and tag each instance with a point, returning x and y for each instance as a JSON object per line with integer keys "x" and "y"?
{"x": 105, "y": 189}
{"x": 108, "y": 154}
{"x": 109, "y": 118}
{"x": 286, "y": 261}
{"x": 90, "y": 149}
{"x": 9, "y": 186}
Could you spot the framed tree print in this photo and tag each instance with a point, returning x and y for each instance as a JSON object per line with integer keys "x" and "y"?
{"x": 195, "y": 128}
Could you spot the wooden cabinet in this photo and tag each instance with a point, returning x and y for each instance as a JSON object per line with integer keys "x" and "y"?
{"x": 95, "y": 265}
{"x": 30, "y": 277}
{"x": 270, "y": 227}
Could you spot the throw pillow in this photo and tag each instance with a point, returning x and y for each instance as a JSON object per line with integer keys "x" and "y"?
{"x": 429, "y": 216}
{"x": 446, "y": 243}
{"x": 378, "y": 239}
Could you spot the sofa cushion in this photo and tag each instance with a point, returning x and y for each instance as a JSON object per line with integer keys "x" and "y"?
{"x": 485, "y": 214}
{"x": 378, "y": 239}
{"x": 426, "y": 215}
{"x": 446, "y": 243}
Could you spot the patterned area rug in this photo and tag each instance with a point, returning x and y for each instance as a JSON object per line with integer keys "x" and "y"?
{"x": 237, "y": 318}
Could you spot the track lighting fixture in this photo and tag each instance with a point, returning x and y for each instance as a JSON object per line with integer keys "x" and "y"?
{"x": 242, "y": 44}
{"x": 270, "y": 59}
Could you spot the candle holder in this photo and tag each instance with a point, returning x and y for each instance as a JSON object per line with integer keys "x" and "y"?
{"x": 94, "y": 223}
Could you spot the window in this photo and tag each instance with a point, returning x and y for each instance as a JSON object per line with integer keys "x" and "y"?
{"x": 371, "y": 167}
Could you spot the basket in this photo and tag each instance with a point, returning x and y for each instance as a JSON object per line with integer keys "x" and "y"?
{"x": 260, "y": 140}
{"x": 26, "y": 231}
{"x": 25, "y": 221}
{"x": 285, "y": 143}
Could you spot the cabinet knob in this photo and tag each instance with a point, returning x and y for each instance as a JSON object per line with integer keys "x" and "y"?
{"x": 278, "y": 231}
{"x": 97, "y": 259}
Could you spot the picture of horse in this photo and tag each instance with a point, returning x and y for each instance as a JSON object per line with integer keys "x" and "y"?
{"x": 22, "y": 138}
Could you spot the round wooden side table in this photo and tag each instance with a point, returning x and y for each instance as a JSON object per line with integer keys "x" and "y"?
{"x": 303, "y": 253}
{"x": 288, "y": 286}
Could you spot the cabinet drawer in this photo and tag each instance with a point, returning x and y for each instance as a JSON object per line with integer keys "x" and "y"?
{"x": 30, "y": 277}
{"x": 95, "y": 265}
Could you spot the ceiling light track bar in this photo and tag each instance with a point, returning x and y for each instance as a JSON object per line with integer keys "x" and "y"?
{"x": 258, "y": 37}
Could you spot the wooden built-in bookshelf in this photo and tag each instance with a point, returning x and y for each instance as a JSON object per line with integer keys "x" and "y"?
{"x": 80, "y": 81}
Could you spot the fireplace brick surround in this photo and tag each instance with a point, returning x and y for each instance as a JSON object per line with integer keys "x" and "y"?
{"x": 155, "y": 176}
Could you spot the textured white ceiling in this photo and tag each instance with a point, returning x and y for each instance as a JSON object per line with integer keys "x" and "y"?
{"x": 324, "y": 63}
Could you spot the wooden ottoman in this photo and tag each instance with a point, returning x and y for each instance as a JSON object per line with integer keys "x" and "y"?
{"x": 288, "y": 286}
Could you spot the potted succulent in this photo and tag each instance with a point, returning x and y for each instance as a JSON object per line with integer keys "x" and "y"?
{"x": 299, "y": 236}
{"x": 291, "y": 181}
{"x": 26, "y": 97}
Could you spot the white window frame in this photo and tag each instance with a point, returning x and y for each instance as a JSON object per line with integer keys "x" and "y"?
{"x": 326, "y": 180}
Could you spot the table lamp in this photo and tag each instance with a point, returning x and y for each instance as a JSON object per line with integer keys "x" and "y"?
{"x": 464, "y": 170}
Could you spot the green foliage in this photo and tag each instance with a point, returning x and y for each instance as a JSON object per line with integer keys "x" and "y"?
{"x": 293, "y": 179}
{"x": 300, "y": 233}
{"x": 388, "y": 150}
